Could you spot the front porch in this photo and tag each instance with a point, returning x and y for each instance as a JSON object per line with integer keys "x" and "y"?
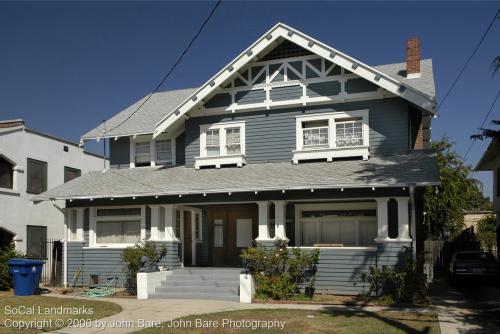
{"x": 352, "y": 233}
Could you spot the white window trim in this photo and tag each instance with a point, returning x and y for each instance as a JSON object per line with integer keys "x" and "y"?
{"x": 152, "y": 149}
{"x": 332, "y": 151}
{"x": 223, "y": 158}
{"x": 94, "y": 219}
{"x": 368, "y": 204}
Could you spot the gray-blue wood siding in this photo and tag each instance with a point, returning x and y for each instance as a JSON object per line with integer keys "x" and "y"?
{"x": 107, "y": 262}
{"x": 270, "y": 134}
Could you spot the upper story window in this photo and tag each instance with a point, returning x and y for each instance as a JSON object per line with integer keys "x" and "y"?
{"x": 71, "y": 173}
{"x": 332, "y": 135}
{"x": 222, "y": 144}
{"x": 36, "y": 176}
{"x": 6, "y": 174}
{"x": 147, "y": 152}
{"x": 163, "y": 152}
{"x": 142, "y": 154}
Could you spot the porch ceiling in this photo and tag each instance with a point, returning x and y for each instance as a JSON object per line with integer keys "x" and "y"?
{"x": 416, "y": 168}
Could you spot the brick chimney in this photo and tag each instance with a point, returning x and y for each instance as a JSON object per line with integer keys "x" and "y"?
{"x": 413, "y": 58}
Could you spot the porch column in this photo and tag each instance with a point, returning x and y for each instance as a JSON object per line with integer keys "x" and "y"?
{"x": 263, "y": 221}
{"x": 80, "y": 212}
{"x": 169, "y": 223}
{"x": 382, "y": 219}
{"x": 155, "y": 222}
{"x": 280, "y": 220}
{"x": 403, "y": 219}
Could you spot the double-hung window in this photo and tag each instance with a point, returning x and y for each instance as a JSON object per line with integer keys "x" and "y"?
{"x": 315, "y": 133}
{"x": 332, "y": 135}
{"x": 222, "y": 144}
{"x": 213, "y": 143}
{"x": 163, "y": 152}
{"x": 142, "y": 154}
{"x": 37, "y": 176}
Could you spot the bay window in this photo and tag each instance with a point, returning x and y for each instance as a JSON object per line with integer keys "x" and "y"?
{"x": 332, "y": 135}
{"x": 222, "y": 144}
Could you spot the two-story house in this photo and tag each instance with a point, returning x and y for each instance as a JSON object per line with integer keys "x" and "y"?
{"x": 30, "y": 163}
{"x": 293, "y": 140}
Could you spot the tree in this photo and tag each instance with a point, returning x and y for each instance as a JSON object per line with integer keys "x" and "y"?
{"x": 494, "y": 134}
{"x": 486, "y": 233}
{"x": 445, "y": 205}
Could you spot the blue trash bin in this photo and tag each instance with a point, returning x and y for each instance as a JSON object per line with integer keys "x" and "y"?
{"x": 26, "y": 275}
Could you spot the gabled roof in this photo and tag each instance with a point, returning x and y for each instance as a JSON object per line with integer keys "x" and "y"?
{"x": 417, "y": 168}
{"x": 282, "y": 31}
{"x": 490, "y": 158}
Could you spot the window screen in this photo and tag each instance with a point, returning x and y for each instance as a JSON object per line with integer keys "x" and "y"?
{"x": 164, "y": 151}
{"x": 118, "y": 232}
{"x": 36, "y": 176}
{"x": 142, "y": 154}
{"x": 36, "y": 241}
{"x": 233, "y": 141}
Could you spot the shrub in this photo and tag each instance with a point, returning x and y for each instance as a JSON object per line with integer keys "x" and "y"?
{"x": 402, "y": 284}
{"x": 7, "y": 253}
{"x": 278, "y": 272}
{"x": 132, "y": 256}
{"x": 486, "y": 233}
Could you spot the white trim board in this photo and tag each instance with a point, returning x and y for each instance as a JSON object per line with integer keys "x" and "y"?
{"x": 279, "y": 31}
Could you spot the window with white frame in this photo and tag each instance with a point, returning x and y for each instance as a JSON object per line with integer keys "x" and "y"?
{"x": 315, "y": 133}
{"x": 163, "y": 152}
{"x": 118, "y": 226}
{"x": 222, "y": 144}
{"x": 212, "y": 143}
{"x": 349, "y": 132}
{"x": 332, "y": 135}
{"x": 142, "y": 154}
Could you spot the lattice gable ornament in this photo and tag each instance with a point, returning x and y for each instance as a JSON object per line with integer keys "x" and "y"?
{"x": 281, "y": 31}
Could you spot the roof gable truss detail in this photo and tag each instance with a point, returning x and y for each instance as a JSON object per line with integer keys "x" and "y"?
{"x": 265, "y": 42}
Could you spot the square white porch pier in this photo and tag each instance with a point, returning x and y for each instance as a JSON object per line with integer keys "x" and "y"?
{"x": 279, "y": 222}
{"x": 383, "y": 220}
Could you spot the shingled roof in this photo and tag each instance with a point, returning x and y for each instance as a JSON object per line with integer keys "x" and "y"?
{"x": 416, "y": 168}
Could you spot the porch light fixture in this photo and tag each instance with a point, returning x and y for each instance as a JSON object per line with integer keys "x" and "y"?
{"x": 256, "y": 192}
{"x": 341, "y": 189}
{"x": 229, "y": 193}
{"x": 70, "y": 200}
{"x": 91, "y": 199}
{"x": 156, "y": 196}
{"x": 373, "y": 188}
{"x": 204, "y": 194}
{"x": 404, "y": 188}
{"x": 180, "y": 195}
{"x": 112, "y": 198}
{"x": 98, "y": 139}
{"x": 116, "y": 138}
{"x": 283, "y": 191}
{"x": 312, "y": 190}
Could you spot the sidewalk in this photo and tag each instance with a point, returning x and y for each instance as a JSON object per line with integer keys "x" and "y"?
{"x": 163, "y": 310}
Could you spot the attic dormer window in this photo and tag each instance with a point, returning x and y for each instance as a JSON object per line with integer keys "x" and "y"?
{"x": 142, "y": 154}
{"x": 221, "y": 144}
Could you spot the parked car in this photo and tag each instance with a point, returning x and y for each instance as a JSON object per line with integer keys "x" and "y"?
{"x": 474, "y": 264}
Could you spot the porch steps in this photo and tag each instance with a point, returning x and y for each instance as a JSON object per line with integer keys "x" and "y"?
{"x": 200, "y": 283}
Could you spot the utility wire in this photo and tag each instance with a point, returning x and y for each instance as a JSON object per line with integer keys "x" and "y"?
{"x": 482, "y": 124}
{"x": 468, "y": 60}
{"x": 165, "y": 77}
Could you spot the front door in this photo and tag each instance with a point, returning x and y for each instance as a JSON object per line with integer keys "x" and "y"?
{"x": 231, "y": 229}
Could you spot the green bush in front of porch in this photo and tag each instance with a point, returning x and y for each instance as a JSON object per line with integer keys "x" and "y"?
{"x": 279, "y": 272}
{"x": 132, "y": 256}
{"x": 7, "y": 253}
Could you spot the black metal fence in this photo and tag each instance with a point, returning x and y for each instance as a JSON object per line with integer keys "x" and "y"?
{"x": 51, "y": 251}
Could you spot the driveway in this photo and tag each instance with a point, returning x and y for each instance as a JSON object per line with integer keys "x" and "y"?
{"x": 466, "y": 308}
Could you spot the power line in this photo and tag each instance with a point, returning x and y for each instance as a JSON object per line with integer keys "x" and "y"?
{"x": 482, "y": 124}
{"x": 469, "y": 59}
{"x": 165, "y": 77}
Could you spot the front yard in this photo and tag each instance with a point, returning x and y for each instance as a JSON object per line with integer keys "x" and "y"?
{"x": 303, "y": 322}
{"x": 36, "y": 314}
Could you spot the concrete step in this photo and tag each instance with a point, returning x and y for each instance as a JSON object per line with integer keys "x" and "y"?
{"x": 194, "y": 284}
{"x": 200, "y": 289}
{"x": 197, "y": 295}
{"x": 197, "y": 278}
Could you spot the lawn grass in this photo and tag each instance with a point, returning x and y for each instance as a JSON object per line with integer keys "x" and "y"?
{"x": 9, "y": 303}
{"x": 305, "y": 322}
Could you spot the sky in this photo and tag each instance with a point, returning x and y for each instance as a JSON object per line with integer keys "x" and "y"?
{"x": 66, "y": 66}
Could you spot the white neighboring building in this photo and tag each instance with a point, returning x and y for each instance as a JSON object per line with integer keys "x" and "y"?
{"x": 30, "y": 163}
{"x": 490, "y": 161}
